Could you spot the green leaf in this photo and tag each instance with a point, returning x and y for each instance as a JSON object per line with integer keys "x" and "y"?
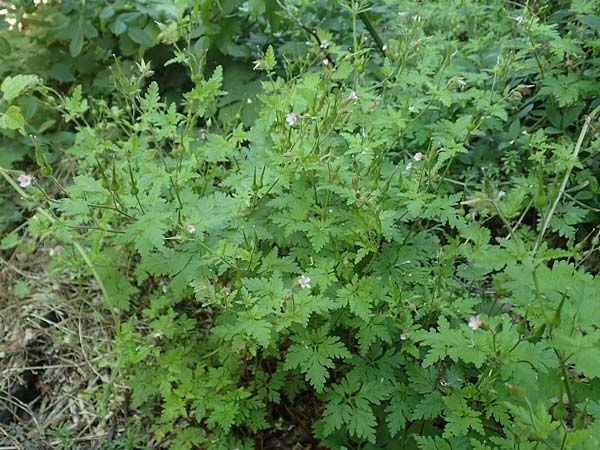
{"x": 22, "y": 289}
{"x": 313, "y": 353}
{"x": 12, "y": 119}
{"x": 12, "y": 87}
{"x": 61, "y": 72}
{"x": 270, "y": 58}
{"x": 358, "y": 295}
{"x": 350, "y": 404}
{"x": 148, "y": 232}
{"x": 75, "y": 106}
{"x": 399, "y": 410}
{"x": 5, "y": 48}
{"x": 452, "y": 343}
{"x": 432, "y": 443}
{"x": 460, "y": 417}
{"x": 118, "y": 27}
{"x": 76, "y": 44}
{"x": 140, "y": 36}
{"x": 591, "y": 21}
{"x": 10, "y": 240}
{"x": 107, "y": 12}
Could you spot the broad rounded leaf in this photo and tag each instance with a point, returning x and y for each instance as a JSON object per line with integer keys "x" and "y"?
{"x": 12, "y": 119}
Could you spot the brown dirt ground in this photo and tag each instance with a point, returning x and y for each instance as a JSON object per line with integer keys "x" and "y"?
{"x": 52, "y": 339}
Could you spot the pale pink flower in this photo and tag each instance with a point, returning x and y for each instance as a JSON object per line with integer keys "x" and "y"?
{"x": 24, "y": 180}
{"x": 324, "y": 44}
{"x": 291, "y": 118}
{"x": 325, "y": 62}
{"x": 418, "y": 156}
{"x": 304, "y": 282}
{"x": 475, "y": 322}
{"x": 353, "y": 96}
{"x": 190, "y": 228}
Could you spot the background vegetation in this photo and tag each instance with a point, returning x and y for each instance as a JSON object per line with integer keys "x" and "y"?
{"x": 273, "y": 224}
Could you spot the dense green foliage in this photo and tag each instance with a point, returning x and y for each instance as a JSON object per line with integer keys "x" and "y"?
{"x": 391, "y": 230}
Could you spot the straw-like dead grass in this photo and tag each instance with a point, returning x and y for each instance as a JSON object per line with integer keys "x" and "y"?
{"x": 53, "y": 341}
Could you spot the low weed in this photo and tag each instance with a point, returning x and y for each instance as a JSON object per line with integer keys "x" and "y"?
{"x": 390, "y": 241}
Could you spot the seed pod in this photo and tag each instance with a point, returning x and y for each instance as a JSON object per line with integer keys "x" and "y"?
{"x": 374, "y": 183}
{"x": 114, "y": 183}
{"x": 254, "y": 186}
{"x": 553, "y": 319}
{"x": 560, "y": 412}
{"x": 488, "y": 187}
{"x": 40, "y": 158}
{"x": 540, "y": 198}
{"x": 516, "y": 391}
{"x": 522, "y": 327}
{"x": 553, "y": 191}
{"x": 262, "y": 176}
{"x": 387, "y": 183}
{"x": 539, "y": 331}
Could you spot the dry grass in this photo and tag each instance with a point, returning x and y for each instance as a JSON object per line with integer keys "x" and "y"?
{"x": 53, "y": 341}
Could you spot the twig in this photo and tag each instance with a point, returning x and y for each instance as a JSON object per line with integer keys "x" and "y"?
{"x": 18, "y": 403}
{"x": 298, "y": 22}
{"x": 53, "y": 366}
{"x": 299, "y": 421}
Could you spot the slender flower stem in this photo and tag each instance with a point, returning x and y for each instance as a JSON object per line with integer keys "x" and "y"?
{"x": 563, "y": 185}
{"x": 565, "y": 379}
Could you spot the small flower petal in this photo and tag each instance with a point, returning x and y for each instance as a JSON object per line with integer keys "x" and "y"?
{"x": 190, "y": 228}
{"x": 418, "y": 156}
